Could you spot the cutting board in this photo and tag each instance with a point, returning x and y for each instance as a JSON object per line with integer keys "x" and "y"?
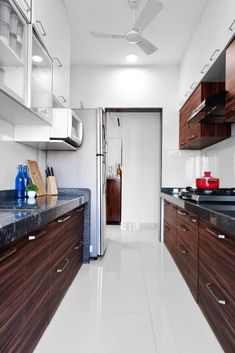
{"x": 36, "y": 177}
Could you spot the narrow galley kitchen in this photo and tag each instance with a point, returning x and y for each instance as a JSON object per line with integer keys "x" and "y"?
{"x": 133, "y": 299}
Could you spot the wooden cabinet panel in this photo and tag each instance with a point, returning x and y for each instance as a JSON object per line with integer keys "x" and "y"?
{"x": 170, "y": 238}
{"x": 195, "y": 136}
{"x": 113, "y": 201}
{"x": 217, "y": 283}
{"x": 11, "y": 298}
{"x": 187, "y": 248}
{"x": 36, "y": 289}
{"x": 170, "y": 213}
{"x": 230, "y": 82}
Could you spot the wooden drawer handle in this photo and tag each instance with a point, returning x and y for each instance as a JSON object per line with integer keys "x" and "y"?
{"x": 37, "y": 236}
{"x": 64, "y": 219}
{"x": 182, "y": 228}
{"x": 209, "y": 286}
{"x": 182, "y": 213}
{"x": 182, "y": 249}
{"x": 59, "y": 270}
{"x": 7, "y": 254}
{"x": 215, "y": 234}
{"x": 79, "y": 247}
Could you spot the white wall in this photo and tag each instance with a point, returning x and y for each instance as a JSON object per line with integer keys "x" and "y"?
{"x": 140, "y": 87}
{"x": 141, "y": 168}
{"x": 13, "y": 153}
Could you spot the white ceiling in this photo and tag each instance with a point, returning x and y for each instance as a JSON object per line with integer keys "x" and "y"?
{"x": 170, "y": 31}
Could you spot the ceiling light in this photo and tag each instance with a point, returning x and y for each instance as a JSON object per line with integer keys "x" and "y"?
{"x": 132, "y": 58}
{"x": 37, "y": 59}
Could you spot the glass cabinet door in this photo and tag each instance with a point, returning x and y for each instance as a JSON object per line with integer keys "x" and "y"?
{"x": 13, "y": 51}
{"x": 41, "y": 79}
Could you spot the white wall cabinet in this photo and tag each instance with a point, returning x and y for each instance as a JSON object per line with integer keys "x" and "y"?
{"x": 54, "y": 30}
{"x": 213, "y": 32}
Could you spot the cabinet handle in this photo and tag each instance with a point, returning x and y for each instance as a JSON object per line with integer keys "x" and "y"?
{"x": 231, "y": 26}
{"x": 193, "y": 220}
{"x": 182, "y": 228}
{"x": 215, "y": 234}
{"x": 182, "y": 249}
{"x": 63, "y": 99}
{"x": 79, "y": 247}
{"x": 37, "y": 236}
{"x": 213, "y": 55}
{"x": 182, "y": 213}
{"x": 204, "y": 68}
{"x": 58, "y": 61}
{"x": 181, "y": 103}
{"x": 59, "y": 270}
{"x": 187, "y": 94}
{"x": 192, "y": 137}
{"x": 219, "y": 301}
{"x": 7, "y": 254}
{"x": 44, "y": 33}
{"x": 193, "y": 85}
{"x": 64, "y": 219}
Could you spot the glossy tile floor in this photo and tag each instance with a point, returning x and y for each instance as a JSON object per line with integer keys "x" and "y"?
{"x": 133, "y": 300}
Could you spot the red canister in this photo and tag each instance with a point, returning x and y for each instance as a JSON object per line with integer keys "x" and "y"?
{"x": 207, "y": 182}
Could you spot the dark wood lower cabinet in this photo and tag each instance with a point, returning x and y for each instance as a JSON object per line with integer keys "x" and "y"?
{"x": 35, "y": 274}
{"x": 205, "y": 257}
{"x": 113, "y": 201}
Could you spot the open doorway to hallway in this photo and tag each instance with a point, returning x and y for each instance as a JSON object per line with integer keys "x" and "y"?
{"x": 134, "y": 144}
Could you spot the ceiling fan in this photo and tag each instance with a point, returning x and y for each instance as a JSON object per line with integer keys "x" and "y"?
{"x": 134, "y": 36}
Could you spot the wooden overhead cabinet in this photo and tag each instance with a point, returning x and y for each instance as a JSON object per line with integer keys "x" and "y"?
{"x": 230, "y": 83}
{"x": 196, "y": 136}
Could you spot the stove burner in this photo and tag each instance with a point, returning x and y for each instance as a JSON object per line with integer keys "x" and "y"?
{"x": 200, "y": 195}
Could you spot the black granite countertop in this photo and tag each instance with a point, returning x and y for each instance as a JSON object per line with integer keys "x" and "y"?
{"x": 18, "y": 218}
{"x": 221, "y": 215}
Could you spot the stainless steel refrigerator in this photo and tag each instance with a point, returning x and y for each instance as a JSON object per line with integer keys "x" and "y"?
{"x": 91, "y": 159}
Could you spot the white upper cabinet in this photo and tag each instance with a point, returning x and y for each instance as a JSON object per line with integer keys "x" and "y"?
{"x": 213, "y": 32}
{"x": 25, "y": 8}
{"x": 51, "y": 22}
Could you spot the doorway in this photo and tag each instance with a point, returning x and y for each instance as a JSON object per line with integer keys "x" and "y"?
{"x": 134, "y": 143}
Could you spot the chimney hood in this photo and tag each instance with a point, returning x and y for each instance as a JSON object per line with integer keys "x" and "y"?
{"x": 211, "y": 110}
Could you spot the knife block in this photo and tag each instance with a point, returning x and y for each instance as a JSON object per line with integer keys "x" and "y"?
{"x": 51, "y": 186}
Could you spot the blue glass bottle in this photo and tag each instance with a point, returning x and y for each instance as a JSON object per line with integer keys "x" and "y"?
{"x": 26, "y": 178}
{"x": 20, "y": 183}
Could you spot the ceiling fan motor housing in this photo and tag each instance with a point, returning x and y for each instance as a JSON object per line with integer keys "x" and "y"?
{"x": 133, "y": 36}
{"x": 134, "y": 4}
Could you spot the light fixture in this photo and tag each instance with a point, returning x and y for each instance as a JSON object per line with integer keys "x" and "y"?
{"x": 131, "y": 58}
{"x": 37, "y": 58}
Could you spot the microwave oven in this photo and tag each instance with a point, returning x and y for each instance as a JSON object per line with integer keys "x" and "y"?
{"x": 67, "y": 126}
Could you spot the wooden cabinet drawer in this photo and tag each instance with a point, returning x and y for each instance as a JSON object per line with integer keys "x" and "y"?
{"x": 218, "y": 306}
{"x": 170, "y": 238}
{"x": 76, "y": 258}
{"x": 11, "y": 298}
{"x": 170, "y": 213}
{"x": 217, "y": 282}
{"x": 187, "y": 263}
{"x": 184, "y": 217}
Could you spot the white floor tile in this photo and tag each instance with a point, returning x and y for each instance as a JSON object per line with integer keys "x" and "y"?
{"x": 99, "y": 333}
{"x": 132, "y": 300}
{"x": 184, "y": 334}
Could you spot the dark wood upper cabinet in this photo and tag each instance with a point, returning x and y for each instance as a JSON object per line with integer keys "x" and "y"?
{"x": 230, "y": 83}
{"x": 196, "y": 136}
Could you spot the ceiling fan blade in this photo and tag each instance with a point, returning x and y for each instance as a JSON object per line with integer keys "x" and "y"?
{"x": 106, "y": 35}
{"x": 150, "y": 11}
{"x": 147, "y": 47}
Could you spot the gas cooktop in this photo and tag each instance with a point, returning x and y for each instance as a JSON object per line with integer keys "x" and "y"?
{"x": 198, "y": 195}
